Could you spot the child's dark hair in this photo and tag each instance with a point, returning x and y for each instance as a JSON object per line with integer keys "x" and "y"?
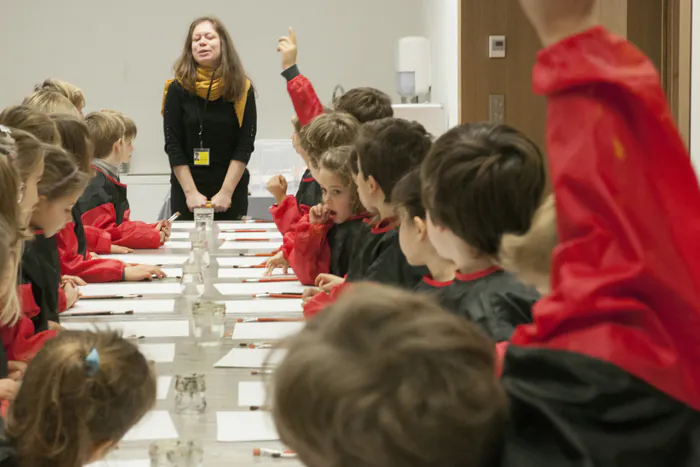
{"x": 388, "y": 149}
{"x": 365, "y": 104}
{"x": 62, "y": 176}
{"x": 337, "y": 161}
{"x": 328, "y": 131}
{"x": 75, "y": 138}
{"x": 32, "y": 121}
{"x": 387, "y": 378}
{"x": 482, "y": 181}
{"x": 83, "y": 390}
{"x": 407, "y": 195}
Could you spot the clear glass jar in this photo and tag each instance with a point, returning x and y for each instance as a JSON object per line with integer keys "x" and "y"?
{"x": 176, "y": 453}
{"x": 192, "y": 281}
{"x": 204, "y": 217}
{"x": 190, "y": 393}
{"x": 208, "y": 323}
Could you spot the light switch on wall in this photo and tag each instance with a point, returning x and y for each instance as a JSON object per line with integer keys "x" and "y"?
{"x": 497, "y": 108}
{"x": 497, "y": 46}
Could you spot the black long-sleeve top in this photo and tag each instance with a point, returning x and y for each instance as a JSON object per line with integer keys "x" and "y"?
{"x": 222, "y": 135}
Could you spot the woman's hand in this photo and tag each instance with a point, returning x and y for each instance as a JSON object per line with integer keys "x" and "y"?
{"x": 72, "y": 294}
{"x": 319, "y": 214}
{"x": 277, "y": 186}
{"x": 142, "y": 272}
{"x": 287, "y": 45}
{"x": 221, "y": 202}
{"x": 196, "y": 200}
{"x": 326, "y": 282}
{"x": 120, "y": 250}
{"x": 8, "y": 389}
{"x": 275, "y": 262}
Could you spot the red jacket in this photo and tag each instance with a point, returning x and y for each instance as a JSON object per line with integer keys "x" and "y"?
{"x": 322, "y": 300}
{"x": 20, "y": 341}
{"x": 28, "y": 304}
{"x": 75, "y": 264}
{"x": 287, "y": 214}
{"x": 626, "y": 274}
{"x": 306, "y": 103}
{"x": 104, "y": 206}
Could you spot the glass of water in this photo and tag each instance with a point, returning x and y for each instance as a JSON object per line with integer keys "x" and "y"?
{"x": 176, "y": 453}
{"x": 208, "y": 323}
{"x": 190, "y": 393}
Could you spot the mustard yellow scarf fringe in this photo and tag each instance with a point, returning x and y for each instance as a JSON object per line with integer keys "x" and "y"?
{"x": 202, "y": 86}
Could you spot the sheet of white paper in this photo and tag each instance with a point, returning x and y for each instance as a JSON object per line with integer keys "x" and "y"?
{"x": 159, "y": 353}
{"x": 267, "y": 247}
{"x": 240, "y": 261}
{"x": 178, "y": 225}
{"x": 157, "y": 260}
{"x": 263, "y": 236}
{"x": 245, "y": 426}
{"x": 154, "y": 425}
{"x": 243, "y": 226}
{"x": 246, "y": 290}
{"x": 264, "y": 307}
{"x": 138, "y": 306}
{"x": 130, "y": 288}
{"x": 164, "y": 383}
{"x": 250, "y": 273}
{"x": 121, "y": 463}
{"x": 169, "y": 328}
{"x": 251, "y": 358}
{"x": 266, "y": 331}
{"x": 252, "y": 393}
{"x": 180, "y": 235}
{"x": 172, "y": 273}
{"x": 177, "y": 245}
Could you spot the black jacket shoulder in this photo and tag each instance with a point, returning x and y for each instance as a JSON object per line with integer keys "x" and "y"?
{"x": 497, "y": 302}
{"x": 342, "y": 239}
{"x": 40, "y": 267}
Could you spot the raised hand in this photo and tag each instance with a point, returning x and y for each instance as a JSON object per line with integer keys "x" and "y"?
{"x": 287, "y": 45}
{"x": 555, "y": 20}
{"x": 277, "y": 186}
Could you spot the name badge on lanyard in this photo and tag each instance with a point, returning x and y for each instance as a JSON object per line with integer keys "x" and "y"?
{"x": 201, "y": 154}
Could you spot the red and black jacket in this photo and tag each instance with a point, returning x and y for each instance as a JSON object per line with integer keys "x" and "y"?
{"x": 323, "y": 248}
{"x": 20, "y": 342}
{"x": 105, "y": 207}
{"x": 376, "y": 257}
{"x": 77, "y": 263}
{"x": 289, "y": 212}
{"x": 608, "y": 373}
{"x": 307, "y": 107}
{"x": 40, "y": 269}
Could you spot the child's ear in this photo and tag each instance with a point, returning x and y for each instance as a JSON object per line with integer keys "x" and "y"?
{"x": 421, "y": 227}
{"x": 117, "y": 145}
{"x": 372, "y": 184}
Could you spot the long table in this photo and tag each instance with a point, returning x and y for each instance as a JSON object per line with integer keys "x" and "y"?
{"x": 222, "y": 383}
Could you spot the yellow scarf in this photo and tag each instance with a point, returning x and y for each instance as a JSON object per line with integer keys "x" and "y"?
{"x": 204, "y": 77}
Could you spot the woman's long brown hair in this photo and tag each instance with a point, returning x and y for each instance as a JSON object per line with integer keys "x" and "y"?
{"x": 230, "y": 69}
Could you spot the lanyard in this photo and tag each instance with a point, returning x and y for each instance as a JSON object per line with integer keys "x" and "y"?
{"x": 201, "y": 115}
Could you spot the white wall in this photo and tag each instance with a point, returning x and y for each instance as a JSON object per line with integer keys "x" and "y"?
{"x": 121, "y": 52}
{"x": 695, "y": 89}
{"x": 441, "y": 24}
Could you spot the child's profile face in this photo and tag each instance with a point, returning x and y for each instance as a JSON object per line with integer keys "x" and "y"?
{"x": 128, "y": 150}
{"x": 411, "y": 240}
{"x": 206, "y": 45}
{"x": 52, "y": 215}
{"x": 30, "y": 193}
{"x": 364, "y": 190}
{"x": 336, "y": 196}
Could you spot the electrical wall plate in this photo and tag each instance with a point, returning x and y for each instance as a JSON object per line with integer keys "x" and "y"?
{"x": 497, "y": 46}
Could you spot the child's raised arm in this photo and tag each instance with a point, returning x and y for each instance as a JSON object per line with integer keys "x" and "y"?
{"x": 626, "y": 275}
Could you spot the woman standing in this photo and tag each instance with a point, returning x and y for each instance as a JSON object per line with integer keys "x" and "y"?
{"x": 210, "y": 122}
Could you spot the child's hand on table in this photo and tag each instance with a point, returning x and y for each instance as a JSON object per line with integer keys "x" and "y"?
{"x": 120, "y": 250}
{"x": 142, "y": 272}
{"x": 75, "y": 280}
{"x": 326, "y": 282}
{"x": 277, "y": 261}
{"x": 72, "y": 294}
{"x": 308, "y": 294}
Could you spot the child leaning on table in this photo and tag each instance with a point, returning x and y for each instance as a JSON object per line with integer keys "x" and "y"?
{"x": 82, "y": 393}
